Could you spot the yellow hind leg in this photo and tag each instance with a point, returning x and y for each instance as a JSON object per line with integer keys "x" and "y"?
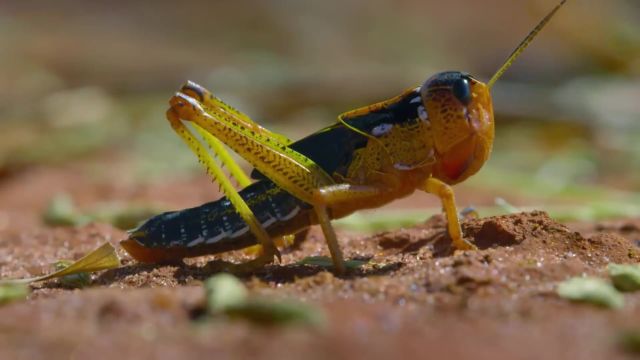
{"x": 209, "y": 101}
{"x": 269, "y": 153}
{"x": 215, "y": 171}
{"x": 214, "y": 105}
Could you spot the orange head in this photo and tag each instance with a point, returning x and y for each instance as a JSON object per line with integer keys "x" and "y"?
{"x": 460, "y": 114}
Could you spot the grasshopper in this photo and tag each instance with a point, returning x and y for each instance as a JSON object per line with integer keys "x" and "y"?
{"x": 427, "y": 138}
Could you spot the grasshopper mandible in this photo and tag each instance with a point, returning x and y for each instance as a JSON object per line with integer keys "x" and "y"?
{"x": 427, "y": 138}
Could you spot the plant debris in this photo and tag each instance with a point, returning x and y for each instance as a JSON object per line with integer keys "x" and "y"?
{"x": 271, "y": 312}
{"x": 223, "y": 291}
{"x": 630, "y": 341}
{"x": 78, "y": 280}
{"x": 62, "y": 211}
{"x": 226, "y": 295}
{"x": 625, "y": 277}
{"x": 591, "y": 290}
{"x": 102, "y": 258}
{"x": 326, "y": 262}
{"x": 13, "y": 292}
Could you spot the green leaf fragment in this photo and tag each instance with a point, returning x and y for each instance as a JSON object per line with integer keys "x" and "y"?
{"x": 379, "y": 221}
{"x": 62, "y": 212}
{"x": 625, "y": 277}
{"x": 591, "y": 290}
{"x": 13, "y": 292}
{"x": 125, "y": 217}
{"x": 226, "y": 295}
{"x": 506, "y": 206}
{"x": 224, "y": 291}
{"x": 630, "y": 341}
{"x": 121, "y": 215}
{"x": 270, "y": 312}
{"x": 326, "y": 262}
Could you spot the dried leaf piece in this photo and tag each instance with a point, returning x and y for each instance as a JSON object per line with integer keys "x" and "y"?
{"x": 591, "y": 290}
{"x": 78, "y": 280}
{"x": 326, "y": 262}
{"x": 625, "y": 277}
{"x": 102, "y": 258}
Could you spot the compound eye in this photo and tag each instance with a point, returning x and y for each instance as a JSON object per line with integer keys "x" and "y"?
{"x": 462, "y": 90}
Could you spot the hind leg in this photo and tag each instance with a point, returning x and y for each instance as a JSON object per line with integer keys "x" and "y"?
{"x": 215, "y": 171}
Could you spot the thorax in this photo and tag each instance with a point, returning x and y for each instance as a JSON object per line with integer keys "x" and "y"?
{"x": 398, "y": 153}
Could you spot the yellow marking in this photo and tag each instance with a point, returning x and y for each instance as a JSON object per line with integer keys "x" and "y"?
{"x": 377, "y": 106}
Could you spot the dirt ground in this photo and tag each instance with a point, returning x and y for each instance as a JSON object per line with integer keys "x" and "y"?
{"x": 418, "y": 301}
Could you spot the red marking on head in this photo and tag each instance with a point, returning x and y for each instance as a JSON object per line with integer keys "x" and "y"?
{"x": 457, "y": 160}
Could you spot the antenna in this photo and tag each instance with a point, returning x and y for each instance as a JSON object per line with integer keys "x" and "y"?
{"x": 523, "y": 45}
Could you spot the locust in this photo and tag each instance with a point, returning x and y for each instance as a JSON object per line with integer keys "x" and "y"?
{"x": 428, "y": 138}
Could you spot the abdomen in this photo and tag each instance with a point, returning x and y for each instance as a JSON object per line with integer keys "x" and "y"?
{"x": 216, "y": 227}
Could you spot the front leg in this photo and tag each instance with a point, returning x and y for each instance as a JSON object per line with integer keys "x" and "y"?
{"x": 445, "y": 193}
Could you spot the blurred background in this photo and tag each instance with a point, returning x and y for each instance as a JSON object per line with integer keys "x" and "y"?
{"x": 85, "y": 86}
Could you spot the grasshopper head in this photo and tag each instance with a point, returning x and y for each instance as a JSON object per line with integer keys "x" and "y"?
{"x": 460, "y": 112}
{"x": 461, "y": 115}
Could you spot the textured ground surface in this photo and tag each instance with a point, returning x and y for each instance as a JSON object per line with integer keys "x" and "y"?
{"x": 416, "y": 300}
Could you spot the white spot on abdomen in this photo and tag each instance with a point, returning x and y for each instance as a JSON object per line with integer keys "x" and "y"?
{"x": 269, "y": 222}
{"x": 195, "y": 242}
{"x": 239, "y": 232}
{"x": 290, "y": 215}
{"x": 216, "y": 238}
